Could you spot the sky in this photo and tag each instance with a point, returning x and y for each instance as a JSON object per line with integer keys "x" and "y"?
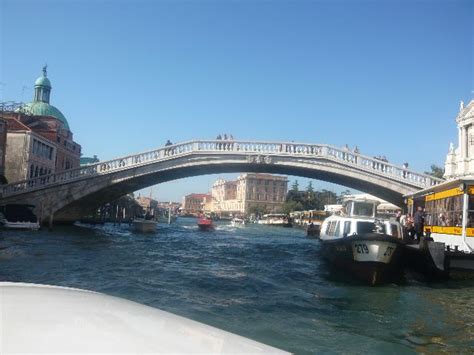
{"x": 385, "y": 75}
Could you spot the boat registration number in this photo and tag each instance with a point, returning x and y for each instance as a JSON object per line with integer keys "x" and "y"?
{"x": 361, "y": 248}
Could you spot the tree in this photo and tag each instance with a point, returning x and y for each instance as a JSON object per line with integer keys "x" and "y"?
{"x": 342, "y": 195}
{"x": 310, "y": 189}
{"x": 436, "y": 171}
{"x": 295, "y": 186}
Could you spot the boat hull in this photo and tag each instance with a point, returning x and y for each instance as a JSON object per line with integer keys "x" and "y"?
{"x": 144, "y": 226}
{"x": 21, "y": 225}
{"x": 205, "y": 227}
{"x": 374, "y": 259}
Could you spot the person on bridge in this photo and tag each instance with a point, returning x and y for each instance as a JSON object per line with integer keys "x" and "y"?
{"x": 168, "y": 142}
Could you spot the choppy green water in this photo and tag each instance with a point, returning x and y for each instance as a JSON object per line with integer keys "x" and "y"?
{"x": 264, "y": 283}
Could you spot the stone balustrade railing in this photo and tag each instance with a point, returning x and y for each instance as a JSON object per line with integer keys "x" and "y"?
{"x": 261, "y": 149}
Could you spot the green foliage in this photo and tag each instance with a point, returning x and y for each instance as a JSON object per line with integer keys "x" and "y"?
{"x": 436, "y": 171}
{"x": 309, "y": 199}
{"x": 295, "y": 186}
{"x": 257, "y": 210}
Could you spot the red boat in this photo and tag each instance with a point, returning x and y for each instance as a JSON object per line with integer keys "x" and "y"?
{"x": 205, "y": 223}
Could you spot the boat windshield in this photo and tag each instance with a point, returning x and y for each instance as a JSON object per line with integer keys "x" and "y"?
{"x": 370, "y": 227}
{"x": 363, "y": 209}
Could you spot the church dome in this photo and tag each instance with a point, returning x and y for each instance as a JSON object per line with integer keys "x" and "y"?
{"x": 43, "y": 81}
{"x": 39, "y": 108}
{"x": 40, "y": 105}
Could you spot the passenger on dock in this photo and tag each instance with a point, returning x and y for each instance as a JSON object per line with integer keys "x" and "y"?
{"x": 419, "y": 222}
{"x": 398, "y": 216}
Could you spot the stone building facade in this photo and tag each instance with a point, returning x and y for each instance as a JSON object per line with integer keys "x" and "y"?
{"x": 39, "y": 121}
{"x": 460, "y": 160}
{"x": 36, "y": 157}
{"x": 194, "y": 204}
{"x": 264, "y": 191}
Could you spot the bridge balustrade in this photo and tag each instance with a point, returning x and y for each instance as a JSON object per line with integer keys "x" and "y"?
{"x": 340, "y": 155}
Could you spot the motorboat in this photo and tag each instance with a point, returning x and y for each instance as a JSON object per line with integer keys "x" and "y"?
{"x": 205, "y": 223}
{"x": 276, "y": 220}
{"x": 143, "y": 225}
{"x": 51, "y": 319}
{"x": 18, "y": 216}
{"x": 359, "y": 243}
{"x": 237, "y": 222}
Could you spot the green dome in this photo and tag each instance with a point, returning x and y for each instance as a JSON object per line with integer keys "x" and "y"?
{"x": 39, "y": 108}
{"x": 43, "y": 81}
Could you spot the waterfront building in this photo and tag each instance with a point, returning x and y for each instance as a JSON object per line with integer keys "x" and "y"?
{"x": 250, "y": 191}
{"x": 27, "y": 154}
{"x": 47, "y": 134}
{"x": 194, "y": 204}
{"x": 3, "y": 146}
{"x": 460, "y": 160}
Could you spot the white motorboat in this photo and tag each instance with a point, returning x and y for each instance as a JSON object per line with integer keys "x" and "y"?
{"x": 50, "y": 319}
{"x": 238, "y": 222}
{"x": 18, "y": 216}
{"x": 357, "y": 242}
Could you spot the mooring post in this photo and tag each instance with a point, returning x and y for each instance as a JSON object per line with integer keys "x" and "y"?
{"x": 50, "y": 224}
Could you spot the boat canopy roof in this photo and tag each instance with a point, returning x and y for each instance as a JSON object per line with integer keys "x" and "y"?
{"x": 460, "y": 182}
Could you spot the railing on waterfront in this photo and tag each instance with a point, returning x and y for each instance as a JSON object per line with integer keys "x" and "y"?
{"x": 261, "y": 151}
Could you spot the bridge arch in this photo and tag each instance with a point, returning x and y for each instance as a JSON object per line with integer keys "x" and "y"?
{"x": 70, "y": 194}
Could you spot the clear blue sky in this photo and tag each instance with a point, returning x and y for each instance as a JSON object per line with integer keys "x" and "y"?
{"x": 384, "y": 75}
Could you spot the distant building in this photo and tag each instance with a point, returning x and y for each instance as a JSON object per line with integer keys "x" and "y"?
{"x": 263, "y": 191}
{"x": 196, "y": 203}
{"x": 46, "y": 135}
{"x": 88, "y": 160}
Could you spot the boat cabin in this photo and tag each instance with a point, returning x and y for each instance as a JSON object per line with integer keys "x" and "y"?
{"x": 338, "y": 227}
{"x": 361, "y": 208}
{"x": 449, "y": 212}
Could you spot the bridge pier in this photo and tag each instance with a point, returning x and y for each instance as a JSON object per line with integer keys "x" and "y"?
{"x": 50, "y": 223}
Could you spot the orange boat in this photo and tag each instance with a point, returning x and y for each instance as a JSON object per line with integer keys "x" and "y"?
{"x": 205, "y": 223}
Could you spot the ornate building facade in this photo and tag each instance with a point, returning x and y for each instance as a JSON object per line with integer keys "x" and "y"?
{"x": 460, "y": 160}
{"x": 194, "y": 204}
{"x": 263, "y": 191}
{"x": 39, "y": 140}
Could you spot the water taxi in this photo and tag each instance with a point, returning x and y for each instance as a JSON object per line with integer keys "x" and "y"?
{"x": 358, "y": 242}
{"x": 447, "y": 250}
{"x": 276, "y": 219}
{"x": 205, "y": 223}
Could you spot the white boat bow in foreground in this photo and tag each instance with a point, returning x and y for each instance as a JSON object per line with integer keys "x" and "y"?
{"x": 50, "y": 319}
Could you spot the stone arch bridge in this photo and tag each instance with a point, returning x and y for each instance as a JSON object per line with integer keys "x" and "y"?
{"x": 70, "y": 194}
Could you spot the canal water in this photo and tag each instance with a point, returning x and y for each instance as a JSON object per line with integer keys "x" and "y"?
{"x": 265, "y": 283}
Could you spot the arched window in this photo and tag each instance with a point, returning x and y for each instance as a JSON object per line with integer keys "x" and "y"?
{"x": 32, "y": 170}
{"x": 36, "y": 171}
